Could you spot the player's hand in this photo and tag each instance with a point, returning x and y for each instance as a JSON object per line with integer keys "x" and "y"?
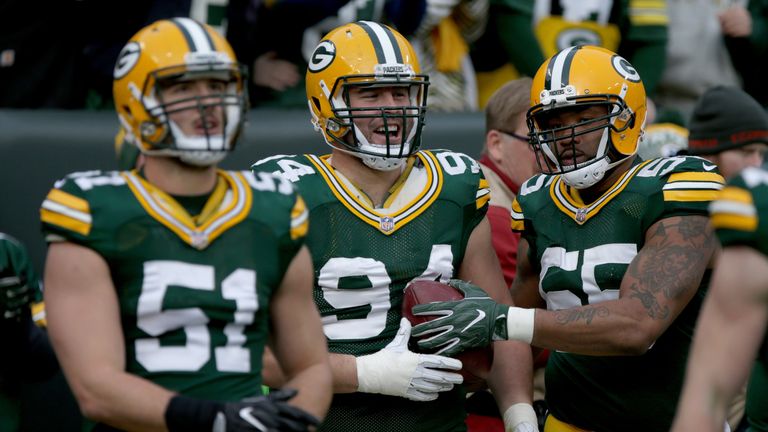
{"x": 270, "y": 413}
{"x": 472, "y": 322}
{"x": 15, "y": 297}
{"x": 396, "y": 371}
{"x": 520, "y": 417}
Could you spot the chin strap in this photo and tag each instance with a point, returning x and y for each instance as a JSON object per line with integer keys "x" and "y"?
{"x": 381, "y": 163}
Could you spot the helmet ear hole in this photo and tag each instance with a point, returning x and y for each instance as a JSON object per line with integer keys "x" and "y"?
{"x": 316, "y": 101}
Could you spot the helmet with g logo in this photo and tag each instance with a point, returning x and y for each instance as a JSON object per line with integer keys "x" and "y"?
{"x": 366, "y": 54}
{"x": 169, "y": 51}
{"x": 583, "y": 76}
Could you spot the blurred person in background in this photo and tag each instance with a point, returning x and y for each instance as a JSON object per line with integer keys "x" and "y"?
{"x": 688, "y": 72}
{"x": 730, "y": 129}
{"x": 507, "y": 161}
{"x": 744, "y": 25}
{"x": 27, "y": 353}
{"x": 275, "y": 39}
{"x": 522, "y": 33}
{"x": 442, "y": 45}
{"x": 730, "y": 347}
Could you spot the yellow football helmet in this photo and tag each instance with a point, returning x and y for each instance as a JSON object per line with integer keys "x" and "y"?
{"x": 174, "y": 50}
{"x": 367, "y": 54}
{"x": 586, "y": 76}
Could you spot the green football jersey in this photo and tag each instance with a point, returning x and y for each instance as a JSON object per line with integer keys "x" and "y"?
{"x": 584, "y": 252}
{"x": 193, "y": 292}
{"x": 14, "y": 260}
{"x": 14, "y": 263}
{"x": 740, "y": 218}
{"x": 364, "y": 257}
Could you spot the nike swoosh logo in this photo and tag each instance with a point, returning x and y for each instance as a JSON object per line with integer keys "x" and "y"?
{"x": 480, "y": 316}
{"x": 709, "y": 167}
{"x": 246, "y": 415}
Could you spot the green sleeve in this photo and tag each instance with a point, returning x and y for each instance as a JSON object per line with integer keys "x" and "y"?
{"x": 758, "y": 9}
{"x": 515, "y": 30}
{"x": 649, "y": 59}
{"x": 644, "y": 39}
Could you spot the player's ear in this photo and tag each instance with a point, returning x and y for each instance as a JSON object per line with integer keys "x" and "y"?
{"x": 493, "y": 142}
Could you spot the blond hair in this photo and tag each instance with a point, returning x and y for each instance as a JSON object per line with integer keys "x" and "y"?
{"x": 507, "y": 103}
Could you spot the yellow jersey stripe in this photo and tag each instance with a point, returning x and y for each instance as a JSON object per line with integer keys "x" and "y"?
{"x": 299, "y": 219}
{"x": 68, "y": 200}
{"x": 516, "y": 225}
{"x": 237, "y": 210}
{"x": 411, "y": 210}
{"x": 430, "y": 193}
{"x": 63, "y": 221}
{"x": 696, "y": 176}
{"x": 734, "y": 222}
{"x": 38, "y": 314}
{"x": 731, "y": 193}
{"x": 480, "y": 202}
{"x": 690, "y": 195}
{"x": 649, "y": 20}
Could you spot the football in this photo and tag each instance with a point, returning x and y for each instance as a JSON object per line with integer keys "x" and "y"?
{"x": 476, "y": 362}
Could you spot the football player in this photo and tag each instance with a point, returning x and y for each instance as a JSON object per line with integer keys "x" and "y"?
{"x": 164, "y": 283}
{"x": 386, "y": 214}
{"x": 614, "y": 257}
{"x": 730, "y": 334}
{"x": 27, "y": 353}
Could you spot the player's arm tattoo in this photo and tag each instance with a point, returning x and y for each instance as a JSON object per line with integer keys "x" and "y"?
{"x": 671, "y": 264}
{"x": 586, "y": 314}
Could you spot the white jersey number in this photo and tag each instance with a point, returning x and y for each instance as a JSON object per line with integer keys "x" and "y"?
{"x": 440, "y": 267}
{"x": 239, "y": 286}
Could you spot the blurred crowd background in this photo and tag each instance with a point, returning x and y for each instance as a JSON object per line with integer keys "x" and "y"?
{"x": 60, "y": 54}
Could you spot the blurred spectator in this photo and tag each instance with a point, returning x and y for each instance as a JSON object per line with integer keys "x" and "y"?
{"x": 696, "y": 55}
{"x": 40, "y": 45}
{"x": 636, "y": 29}
{"x": 746, "y": 37}
{"x": 27, "y": 354}
{"x": 662, "y": 140}
{"x": 274, "y": 38}
{"x": 442, "y": 46}
{"x": 730, "y": 129}
{"x": 507, "y": 49}
{"x": 664, "y": 135}
{"x": 106, "y": 37}
{"x": 507, "y": 161}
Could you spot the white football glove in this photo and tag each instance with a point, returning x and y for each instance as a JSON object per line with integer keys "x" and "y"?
{"x": 396, "y": 371}
{"x": 520, "y": 417}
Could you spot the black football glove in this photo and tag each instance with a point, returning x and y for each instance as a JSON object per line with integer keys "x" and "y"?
{"x": 270, "y": 413}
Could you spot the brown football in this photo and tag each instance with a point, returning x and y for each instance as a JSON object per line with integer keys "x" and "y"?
{"x": 476, "y": 362}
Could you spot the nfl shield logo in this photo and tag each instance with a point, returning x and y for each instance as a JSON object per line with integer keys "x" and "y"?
{"x": 581, "y": 215}
{"x": 199, "y": 240}
{"x": 386, "y": 224}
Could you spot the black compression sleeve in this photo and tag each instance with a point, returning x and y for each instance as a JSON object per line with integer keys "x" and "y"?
{"x": 186, "y": 414}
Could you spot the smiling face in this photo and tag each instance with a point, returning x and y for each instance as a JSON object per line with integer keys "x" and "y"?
{"x": 195, "y": 106}
{"x": 385, "y": 123}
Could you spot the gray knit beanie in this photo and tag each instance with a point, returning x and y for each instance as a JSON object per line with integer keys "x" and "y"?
{"x": 725, "y": 118}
